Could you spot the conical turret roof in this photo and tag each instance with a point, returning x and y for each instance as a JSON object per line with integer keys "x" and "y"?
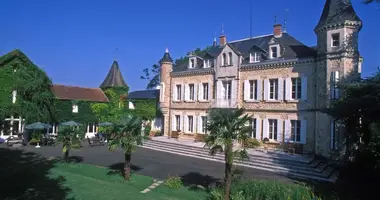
{"x": 114, "y": 77}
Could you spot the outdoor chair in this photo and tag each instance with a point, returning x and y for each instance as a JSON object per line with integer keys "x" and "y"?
{"x": 95, "y": 141}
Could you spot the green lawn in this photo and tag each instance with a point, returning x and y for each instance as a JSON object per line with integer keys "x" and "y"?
{"x": 97, "y": 183}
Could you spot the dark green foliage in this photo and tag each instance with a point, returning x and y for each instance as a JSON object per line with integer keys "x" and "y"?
{"x": 174, "y": 182}
{"x": 371, "y": 1}
{"x": 69, "y": 137}
{"x": 63, "y": 111}
{"x": 34, "y": 97}
{"x": 145, "y": 108}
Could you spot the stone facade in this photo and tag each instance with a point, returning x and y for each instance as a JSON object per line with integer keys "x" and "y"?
{"x": 285, "y": 96}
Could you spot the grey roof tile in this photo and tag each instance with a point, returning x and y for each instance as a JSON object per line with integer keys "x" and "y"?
{"x": 114, "y": 77}
{"x": 144, "y": 94}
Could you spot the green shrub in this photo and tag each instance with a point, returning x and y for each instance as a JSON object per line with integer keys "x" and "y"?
{"x": 147, "y": 129}
{"x": 157, "y": 133}
{"x": 34, "y": 141}
{"x": 252, "y": 143}
{"x": 173, "y": 182}
{"x": 258, "y": 190}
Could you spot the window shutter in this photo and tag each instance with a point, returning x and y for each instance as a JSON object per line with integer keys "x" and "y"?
{"x": 195, "y": 123}
{"x": 288, "y": 88}
{"x": 304, "y": 88}
{"x": 187, "y": 92}
{"x": 287, "y": 130}
{"x": 200, "y": 91}
{"x": 265, "y": 129}
{"x": 279, "y": 130}
{"x": 246, "y": 91}
{"x": 199, "y": 123}
{"x": 195, "y": 92}
{"x": 258, "y": 129}
{"x": 266, "y": 89}
{"x": 185, "y": 124}
{"x": 219, "y": 90}
{"x": 332, "y": 127}
{"x": 280, "y": 90}
{"x": 174, "y": 92}
{"x": 259, "y": 90}
{"x": 303, "y": 131}
{"x": 210, "y": 90}
{"x": 173, "y": 123}
{"x": 234, "y": 90}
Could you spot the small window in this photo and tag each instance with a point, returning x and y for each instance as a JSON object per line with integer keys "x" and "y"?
{"x": 296, "y": 88}
{"x": 230, "y": 58}
{"x": 273, "y": 51}
{"x": 75, "y": 108}
{"x": 190, "y": 120}
{"x": 226, "y": 90}
{"x": 205, "y": 91}
{"x": 191, "y": 89}
{"x": 335, "y": 40}
{"x": 254, "y": 57}
{"x": 252, "y": 89}
{"x": 272, "y": 129}
{"x": 273, "y": 89}
{"x": 178, "y": 122}
{"x": 252, "y": 125}
{"x": 207, "y": 63}
{"x": 192, "y": 63}
{"x": 179, "y": 92}
{"x": 295, "y": 131}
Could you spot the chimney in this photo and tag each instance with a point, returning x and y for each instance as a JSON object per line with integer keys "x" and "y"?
{"x": 222, "y": 40}
{"x": 277, "y": 30}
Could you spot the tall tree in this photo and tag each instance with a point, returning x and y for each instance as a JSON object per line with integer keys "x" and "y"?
{"x": 127, "y": 136}
{"x": 226, "y": 126}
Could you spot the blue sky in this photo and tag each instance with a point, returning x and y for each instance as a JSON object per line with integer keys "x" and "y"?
{"x": 74, "y": 41}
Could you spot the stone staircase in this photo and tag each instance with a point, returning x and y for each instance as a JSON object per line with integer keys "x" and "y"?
{"x": 297, "y": 166}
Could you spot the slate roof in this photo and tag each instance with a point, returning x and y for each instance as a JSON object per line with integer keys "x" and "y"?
{"x": 337, "y": 11}
{"x": 291, "y": 48}
{"x": 114, "y": 77}
{"x": 144, "y": 94}
{"x": 65, "y": 92}
{"x": 166, "y": 57}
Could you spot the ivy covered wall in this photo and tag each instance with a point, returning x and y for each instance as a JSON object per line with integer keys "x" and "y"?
{"x": 146, "y": 108}
{"x": 63, "y": 111}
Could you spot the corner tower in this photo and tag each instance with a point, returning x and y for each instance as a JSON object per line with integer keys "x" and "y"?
{"x": 114, "y": 77}
{"x": 166, "y": 63}
{"x": 337, "y": 62}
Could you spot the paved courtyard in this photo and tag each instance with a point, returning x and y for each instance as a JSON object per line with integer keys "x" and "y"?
{"x": 157, "y": 164}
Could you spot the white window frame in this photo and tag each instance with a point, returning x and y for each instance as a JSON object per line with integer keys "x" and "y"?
{"x": 253, "y": 125}
{"x": 252, "y": 90}
{"x": 224, "y": 59}
{"x": 275, "y": 89}
{"x": 207, "y": 63}
{"x": 177, "y": 122}
{"x": 75, "y": 108}
{"x": 273, "y": 129}
{"x": 192, "y": 63}
{"x": 191, "y": 92}
{"x": 203, "y": 124}
{"x": 227, "y": 90}
{"x": 205, "y": 95}
{"x": 296, "y": 128}
{"x": 277, "y": 46}
{"x": 296, "y": 92}
{"x": 333, "y": 40}
{"x": 254, "y": 57}
{"x": 178, "y": 90}
{"x": 230, "y": 58}
{"x": 334, "y": 86}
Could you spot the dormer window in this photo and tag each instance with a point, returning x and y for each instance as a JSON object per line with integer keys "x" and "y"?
{"x": 254, "y": 57}
{"x": 207, "y": 64}
{"x": 192, "y": 63}
{"x": 230, "y": 58}
{"x": 335, "y": 40}
{"x": 224, "y": 59}
{"x": 274, "y": 51}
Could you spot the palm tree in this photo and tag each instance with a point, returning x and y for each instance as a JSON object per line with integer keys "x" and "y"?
{"x": 226, "y": 126}
{"x": 127, "y": 136}
{"x": 68, "y": 136}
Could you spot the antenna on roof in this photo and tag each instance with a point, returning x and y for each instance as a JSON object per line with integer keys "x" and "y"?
{"x": 250, "y": 20}
{"x": 275, "y": 19}
{"x": 285, "y": 19}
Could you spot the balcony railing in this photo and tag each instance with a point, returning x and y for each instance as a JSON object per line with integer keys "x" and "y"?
{"x": 224, "y": 103}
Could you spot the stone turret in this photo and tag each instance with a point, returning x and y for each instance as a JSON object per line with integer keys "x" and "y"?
{"x": 114, "y": 77}
{"x": 165, "y": 95}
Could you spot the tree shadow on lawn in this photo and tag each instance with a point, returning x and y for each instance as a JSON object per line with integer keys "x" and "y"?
{"x": 194, "y": 180}
{"x": 25, "y": 175}
{"x": 118, "y": 168}
{"x": 352, "y": 184}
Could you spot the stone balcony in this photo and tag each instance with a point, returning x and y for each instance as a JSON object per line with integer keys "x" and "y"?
{"x": 224, "y": 103}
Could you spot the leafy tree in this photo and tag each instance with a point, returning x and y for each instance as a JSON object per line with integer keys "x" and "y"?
{"x": 70, "y": 138}
{"x": 127, "y": 136}
{"x": 226, "y": 126}
{"x": 371, "y": 1}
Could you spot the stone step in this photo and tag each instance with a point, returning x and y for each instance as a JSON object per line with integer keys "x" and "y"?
{"x": 309, "y": 171}
{"x": 287, "y": 165}
{"x": 268, "y": 157}
{"x": 291, "y": 173}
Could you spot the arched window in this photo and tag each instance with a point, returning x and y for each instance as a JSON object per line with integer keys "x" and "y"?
{"x": 230, "y": 58}
{"x": 224, "y": 59}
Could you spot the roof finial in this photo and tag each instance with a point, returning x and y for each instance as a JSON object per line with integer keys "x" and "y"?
{"x": 166, "y": 50}
{"x": 285, "y": 19}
